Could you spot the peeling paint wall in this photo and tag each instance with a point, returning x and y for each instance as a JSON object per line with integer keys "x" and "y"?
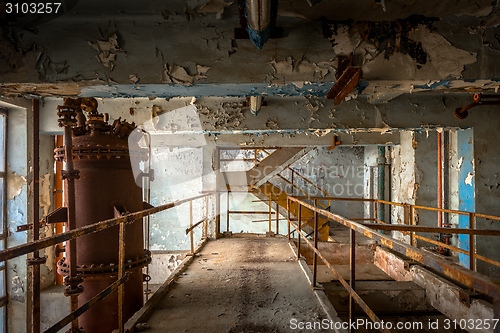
{"x": 358, "y": 121}
{"x": 404, "y": 188}
{"x": 46, "y": 196}
{"x": 339, "y": 172}
{"x": 17, "y": 214}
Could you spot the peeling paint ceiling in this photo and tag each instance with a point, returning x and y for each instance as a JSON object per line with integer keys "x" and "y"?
{"x": 189, "y": 48}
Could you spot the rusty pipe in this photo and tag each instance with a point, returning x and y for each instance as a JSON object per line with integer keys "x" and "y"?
{"x": 478, "y": 99}
{"x": 439, "y": 179}
{"x": 70, "y": 204}
{"x": 35, "y": 261}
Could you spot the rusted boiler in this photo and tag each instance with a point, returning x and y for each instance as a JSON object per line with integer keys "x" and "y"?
{"x": 104, "y": 188}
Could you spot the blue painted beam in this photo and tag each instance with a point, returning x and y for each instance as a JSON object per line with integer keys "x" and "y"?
{"x": 319, "y": 89}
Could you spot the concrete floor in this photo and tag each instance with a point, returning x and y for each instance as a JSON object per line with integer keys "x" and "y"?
{"x": 239, "y": 284}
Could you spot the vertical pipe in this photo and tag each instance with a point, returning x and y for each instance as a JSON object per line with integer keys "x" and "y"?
{"x": 70, "y": 204}
{"x": 381, "y": 182}
{"x": 439, "y": 182}
{"x": 315, "y": 258}
{"x": 218, "y": 194}
{"x": 147, "y": 219}
{"x": 446, "y": 175}
{"x": 352, "y": 275}
{"x": 36, "y": 215}
{"x": 121, "y": 272}
{"x": 293, "y": 188}
{"x": 191, "y": 225}
{"x": 217, "y": 213}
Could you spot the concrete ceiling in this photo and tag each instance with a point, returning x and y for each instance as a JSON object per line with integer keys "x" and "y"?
{"x": 188, "y": 48}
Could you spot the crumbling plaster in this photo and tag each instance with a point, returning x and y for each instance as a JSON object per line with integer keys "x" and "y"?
{"x": 193, "y": 43}
{"x": 17, "y": 214}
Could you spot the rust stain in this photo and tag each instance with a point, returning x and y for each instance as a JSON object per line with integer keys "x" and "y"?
{"x": 386, "y": 242}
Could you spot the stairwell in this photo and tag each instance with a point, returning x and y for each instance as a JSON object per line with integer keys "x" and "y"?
{"x": 257, "y": 181}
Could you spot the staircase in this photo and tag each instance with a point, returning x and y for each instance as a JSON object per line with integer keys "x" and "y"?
{"x": 257, "y": 181}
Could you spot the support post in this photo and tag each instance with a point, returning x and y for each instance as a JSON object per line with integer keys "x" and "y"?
{"x": 277, "y": 217}
{"x": 191, "y": 225}
{"x": 315, "y": 258}
{"x": 300, "y": 230}
{"x": 121, "y": 273}
{"x": 227, "y": 212}
{"x": 288, "y": 217}
{"x": 270, "y": 227}
{"x": 352, "y": 276}
{"x": 67, "y": 115}
{"x": 381, "y": 182}
{"x": 36, "y": 261}
{"x": 472, "y": 244}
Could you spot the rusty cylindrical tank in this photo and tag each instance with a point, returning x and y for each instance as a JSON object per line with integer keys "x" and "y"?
{"x": 106, "y": 187}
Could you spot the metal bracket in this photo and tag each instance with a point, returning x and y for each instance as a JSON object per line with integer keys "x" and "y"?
{"x": 57, "y": 216}
{"x": 147, "y": 205}
{"x": 36, "y": 261}
{"x": 408, "y": 263}
{"x": 29, "y": 226}
{"x": 466, "y": 296}
{"x": 120, "y": 209}
{"x": 70, "y": 174}
{"x": 347, "y": 82}
{"x": 335, "y": 142}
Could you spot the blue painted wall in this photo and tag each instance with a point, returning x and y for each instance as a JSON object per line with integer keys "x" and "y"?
{"x": 466, "y": 187}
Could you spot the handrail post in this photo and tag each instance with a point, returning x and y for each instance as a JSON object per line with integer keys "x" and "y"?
{"x": 191, "y": 225}
{"x": 472, "y": 245}
{"x": 315, "y": 258}
{"x": 375, "y": 202}
{"x": 227, "y": 213}
{"x": 270, "y": 227}
{"x": 205, "y": 224}
{"x": 277, "y": 217}
{"x": 406, "y": 214}
{"x": 293, "y": 188}
{"x": 412, "y": 222}
{"x": 352, "y": 276}
{"x": 300, "y": 229}
{"x": 288, "y": 216}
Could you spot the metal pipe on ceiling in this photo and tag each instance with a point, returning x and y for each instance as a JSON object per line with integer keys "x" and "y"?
{"x": 258, "y": 14}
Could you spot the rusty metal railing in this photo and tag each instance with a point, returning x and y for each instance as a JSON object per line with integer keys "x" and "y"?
{"x": 469, "y": 278}
{"x": 409, "y": 228}
{"x": 122, "y": 275}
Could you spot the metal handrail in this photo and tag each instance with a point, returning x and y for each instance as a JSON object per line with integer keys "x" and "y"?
{"x": 121, "y": 221}
{"x": 479, "y": 282}
{"x": 409, "y": 221}
{"x": 474, "y": 280}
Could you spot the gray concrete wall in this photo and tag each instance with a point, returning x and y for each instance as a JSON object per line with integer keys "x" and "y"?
{"x": 17, "y": 214}
{"x": 339, "y": 172}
